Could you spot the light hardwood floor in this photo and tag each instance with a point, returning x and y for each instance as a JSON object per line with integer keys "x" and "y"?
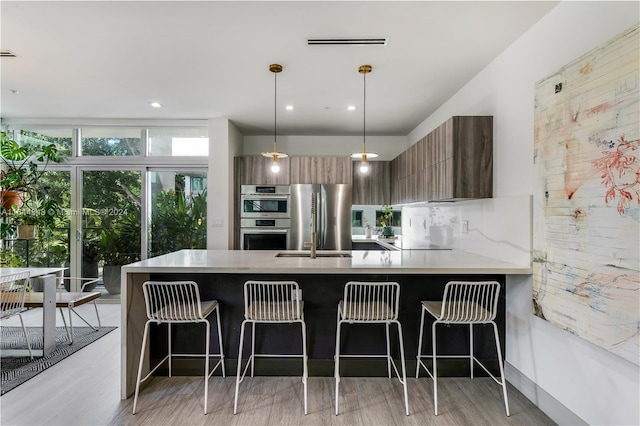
{"x": 84, "y": 389}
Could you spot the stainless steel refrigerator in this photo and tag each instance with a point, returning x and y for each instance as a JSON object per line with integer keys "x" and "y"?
{"x": 333, "y": 216}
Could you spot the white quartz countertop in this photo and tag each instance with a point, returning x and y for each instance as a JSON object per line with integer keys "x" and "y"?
{"x": 361, "y": 262}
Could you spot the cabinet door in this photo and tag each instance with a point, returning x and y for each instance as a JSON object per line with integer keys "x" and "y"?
{"x": 250, "y": 170}
{"x": 472, "y": 157}
{"x": 321, "y": 170}
{"x": 395, "y": 180}
{"x": 373, "y": 187}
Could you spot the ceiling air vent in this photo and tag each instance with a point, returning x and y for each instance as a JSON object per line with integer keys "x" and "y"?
{"x": 7, "y": 54}
{"x": 382, "y": 41}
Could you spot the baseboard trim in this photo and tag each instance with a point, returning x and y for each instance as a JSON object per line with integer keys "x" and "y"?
{"x": 543, "y": 400}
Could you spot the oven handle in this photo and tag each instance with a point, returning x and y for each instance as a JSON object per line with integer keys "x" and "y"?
{"x": 264, "y": 230}
{"x": 266, "y": 196}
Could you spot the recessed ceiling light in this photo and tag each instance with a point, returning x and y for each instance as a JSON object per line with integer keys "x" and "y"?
{"x": 155, "y": 104}
{"x": 351, "y": 107}
{"x": 289, "y": 107}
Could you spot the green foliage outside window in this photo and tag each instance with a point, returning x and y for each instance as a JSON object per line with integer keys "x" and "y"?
{"x": 178, "y": 221}
{"x": 111, "y": 146}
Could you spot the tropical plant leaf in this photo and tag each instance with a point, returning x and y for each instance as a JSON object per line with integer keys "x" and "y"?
{"x": 10, "y": 149}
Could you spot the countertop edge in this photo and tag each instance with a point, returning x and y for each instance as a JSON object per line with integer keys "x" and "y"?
{"x": 243, "y": 262}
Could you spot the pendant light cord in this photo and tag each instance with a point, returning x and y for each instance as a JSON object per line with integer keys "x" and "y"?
{"x": 275, "y": 109}
{"x": 364, "y": 115}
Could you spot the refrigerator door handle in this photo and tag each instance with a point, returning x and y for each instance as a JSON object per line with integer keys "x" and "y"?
{"x": 321, "y": 224}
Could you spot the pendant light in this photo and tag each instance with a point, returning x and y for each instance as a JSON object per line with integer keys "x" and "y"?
{"x": 275, "y": 167}
{"x": 364, "y": 155}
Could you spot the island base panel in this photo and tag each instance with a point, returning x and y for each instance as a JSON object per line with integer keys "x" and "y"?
{"x": 321, "y": 294}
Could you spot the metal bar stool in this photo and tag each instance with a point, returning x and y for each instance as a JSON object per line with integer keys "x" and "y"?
{"x": 12, "y": 292}
{"x": 463, "y": 303}
{"x": 371, "y": 302}
{"x": 178, "y": 302}
{"x": 271, "y": 302}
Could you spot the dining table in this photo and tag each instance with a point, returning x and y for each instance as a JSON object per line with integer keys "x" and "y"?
{"x": 44, "y": 279}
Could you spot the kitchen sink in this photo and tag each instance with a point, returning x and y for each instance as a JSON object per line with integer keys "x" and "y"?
{"x": 308, "y": 254}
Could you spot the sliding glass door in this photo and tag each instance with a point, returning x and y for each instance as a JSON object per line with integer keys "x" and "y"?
{"x": 178, "y": 210}
{"x": 111, "y": 224}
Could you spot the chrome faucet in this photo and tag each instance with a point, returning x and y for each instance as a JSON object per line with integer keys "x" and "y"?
{"x": 312, "y": 244}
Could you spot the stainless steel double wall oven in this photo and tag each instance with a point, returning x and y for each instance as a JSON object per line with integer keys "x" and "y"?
{"x": 265, "y": 218}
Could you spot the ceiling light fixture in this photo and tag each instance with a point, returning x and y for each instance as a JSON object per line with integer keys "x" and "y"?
{"x": 364, "y": 155}
{"x": 351, "y": 107}
{"x": 155, "y": 104}
{"x": 275, "y": 167}
{"x": 289, "y": 107}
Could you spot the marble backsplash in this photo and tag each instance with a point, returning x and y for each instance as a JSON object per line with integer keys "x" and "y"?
{"x": 499, "y": 228}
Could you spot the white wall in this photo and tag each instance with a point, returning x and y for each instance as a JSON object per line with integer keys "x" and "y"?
{"x": 225, "y": 142}
{"x": 597, "y": 386}
{"x": 388, "y": 147}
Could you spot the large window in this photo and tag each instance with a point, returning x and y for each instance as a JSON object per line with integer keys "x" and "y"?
{"x": 103, "y": 203}
{"x": 121, "y": 142}
{"x": 35, "y": 135}
{"x": 48, "y": 245}
{"x": 178, "y": 142}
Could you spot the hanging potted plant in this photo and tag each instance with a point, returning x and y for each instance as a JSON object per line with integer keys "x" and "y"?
{"x": 35, "y": 214}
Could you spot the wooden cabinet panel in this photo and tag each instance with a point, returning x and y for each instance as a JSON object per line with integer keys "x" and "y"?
{"x": 472, "y": 165}
{"x": 257, "y": 171}
{"x": 439, "y": 182}
{"x": 321, "y": 170}
{"x": 411, "y": 160}
{"x": 455, "y": 160}
{"x": 420, "y": 154}
{"x": 373, "y": 187}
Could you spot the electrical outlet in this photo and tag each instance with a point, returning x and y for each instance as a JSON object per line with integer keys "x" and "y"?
{"x": 464, "y": 226}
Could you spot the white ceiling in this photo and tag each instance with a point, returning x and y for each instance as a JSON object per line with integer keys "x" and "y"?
{"x": 108, "y": 60}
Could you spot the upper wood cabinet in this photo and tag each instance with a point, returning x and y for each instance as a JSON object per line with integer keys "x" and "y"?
{"x": 454, "y": 161}
{"x": 254, "y": 170}
{"x": 320, "y": 170}
{"x": 373, "y": 187}
{"x": 257, "y": 171}
{"x": 469, "y": 158}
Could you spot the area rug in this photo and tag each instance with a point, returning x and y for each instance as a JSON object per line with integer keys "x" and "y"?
{"x": 15, "y": 371}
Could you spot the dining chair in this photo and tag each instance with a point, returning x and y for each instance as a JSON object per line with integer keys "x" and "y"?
{"x": 12, "y": 293}
{"x": 71, "y": 300}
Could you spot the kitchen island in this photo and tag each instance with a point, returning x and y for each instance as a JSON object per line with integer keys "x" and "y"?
{"x": 220, "y": 274}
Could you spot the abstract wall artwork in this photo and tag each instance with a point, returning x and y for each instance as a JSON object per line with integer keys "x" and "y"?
{"x": 587, "y": 197}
